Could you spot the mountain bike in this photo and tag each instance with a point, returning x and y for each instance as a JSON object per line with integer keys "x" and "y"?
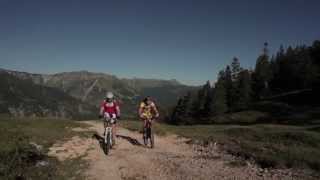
{"x": 148, "y": 135}
{"x": 108, "y": 140}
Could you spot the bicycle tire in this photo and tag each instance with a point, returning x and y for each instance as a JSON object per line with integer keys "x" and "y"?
{"x": 145, "y": 137}
{"x": 151, "y": 138}
{"x": 107, "y": 144}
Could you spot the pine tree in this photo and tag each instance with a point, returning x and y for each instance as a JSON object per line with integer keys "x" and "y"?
{"x": 219, "y": 103}
{"x": 235, "y": 92}
{"x": 186, "y": 114}
{"x": 181, "y": 112}
{"x": 307, "y": 71}
{"x": 245, "y": 90}
{"x": 276, "y": 68}
{"x": 208, "y": 99}
{"x": 262, "y": 74}
{"x": 232, "y": 84}
{"x": 235, "y": 68}
{"x": 176, "y": 115}
{"x": 200, "y": 108}
{"x": 228, "y": 85}
{"x": 315, "y": 55}
{"x": 198, "y": 104}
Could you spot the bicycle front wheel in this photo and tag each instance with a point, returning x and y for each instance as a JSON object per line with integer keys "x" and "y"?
{"x": 145, "y": 136}
{"x": 107, "y": 144}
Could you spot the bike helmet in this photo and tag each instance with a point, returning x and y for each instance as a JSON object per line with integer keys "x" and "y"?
{"x": 109, "y": 96}
{"x": 147, "y": 100}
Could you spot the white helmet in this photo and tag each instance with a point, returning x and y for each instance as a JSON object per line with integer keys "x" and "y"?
{"x": 109, "y": 95}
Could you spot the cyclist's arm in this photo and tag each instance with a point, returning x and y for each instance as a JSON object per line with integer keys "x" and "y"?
{"x": 102, "y": 109}
{"x": 155, "y": 110}
{"x": 118, "y": 110}
{"x": 140, "y": 111}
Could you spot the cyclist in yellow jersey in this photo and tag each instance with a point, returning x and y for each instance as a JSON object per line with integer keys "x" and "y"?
{"x": 148, "y": 110}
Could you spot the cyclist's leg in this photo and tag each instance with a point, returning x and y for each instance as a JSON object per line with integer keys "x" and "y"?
{"x": 144, "y": 124}
{"x": 114, "y": 129}
{"x": 149, "y": 123}
{"x": 104, "y": 127}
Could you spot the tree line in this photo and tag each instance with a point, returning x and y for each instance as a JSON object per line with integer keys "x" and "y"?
{"x": 236, "y": 88}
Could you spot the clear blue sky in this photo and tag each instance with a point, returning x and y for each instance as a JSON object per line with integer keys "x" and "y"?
{"x": 187, "y": 40}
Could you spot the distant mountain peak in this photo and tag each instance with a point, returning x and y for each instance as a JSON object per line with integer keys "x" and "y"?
{"x": 90, "y": 88}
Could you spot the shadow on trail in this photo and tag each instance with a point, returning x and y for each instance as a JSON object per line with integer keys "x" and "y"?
{"x": 100, "y": 139}
{"x": 131, "y": 140}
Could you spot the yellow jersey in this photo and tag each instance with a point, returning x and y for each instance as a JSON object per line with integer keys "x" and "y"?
{"x": 147, "y": 110}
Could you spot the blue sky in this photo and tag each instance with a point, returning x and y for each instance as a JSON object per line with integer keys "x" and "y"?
{"x": 189, "y": 40}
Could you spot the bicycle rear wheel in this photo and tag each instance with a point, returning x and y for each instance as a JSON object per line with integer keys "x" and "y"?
{"x": 151, "y": 138}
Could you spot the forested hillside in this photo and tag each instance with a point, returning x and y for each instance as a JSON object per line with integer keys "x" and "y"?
{"x": 279, "y": 83}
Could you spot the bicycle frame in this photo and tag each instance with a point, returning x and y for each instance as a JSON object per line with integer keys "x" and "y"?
{"x": 108, "y": 130}
{"x": 149, "y": 123}
{"x": 147, "y": 133}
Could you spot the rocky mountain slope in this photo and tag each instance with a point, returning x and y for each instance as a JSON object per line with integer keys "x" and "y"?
{"x": 22, "y": 97}
{"x": 90, "y": 88}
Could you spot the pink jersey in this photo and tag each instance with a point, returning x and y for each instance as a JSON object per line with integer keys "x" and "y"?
{"x": 111, "y": 107}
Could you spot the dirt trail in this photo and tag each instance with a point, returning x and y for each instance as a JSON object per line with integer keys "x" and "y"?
{"x": 171, "y": 159}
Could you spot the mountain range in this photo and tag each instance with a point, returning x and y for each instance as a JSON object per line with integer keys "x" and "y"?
{"x": 79, "y": 94}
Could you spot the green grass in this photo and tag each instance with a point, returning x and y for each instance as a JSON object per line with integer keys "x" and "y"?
{"x": 274, "y": 146}
{"x": 271, "y": 146}
{"x": 244, "y": 118}
{"x": 18, "y": 158}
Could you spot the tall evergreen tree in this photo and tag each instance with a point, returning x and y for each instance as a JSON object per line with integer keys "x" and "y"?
{"x": 276, "y": 65}
{"x": 233, "y": 88}
{"x": 235, "y": 92}
{"x": 228, "y": 85}
{"x": 245, "y": 90}
{"x": 201, "y": 105}
{"x": 307, "y": 71}
{"x": 181, "y": 113}
{"x": 176, "y": 114}
{"x": 219, "y": 103}
{"x": 235, "y": 68}
{"x": 198, "y": 103}
{"x": 208, "y": 99}
{"x": 262, "y": 74}
{"x": 315, "y": 55}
